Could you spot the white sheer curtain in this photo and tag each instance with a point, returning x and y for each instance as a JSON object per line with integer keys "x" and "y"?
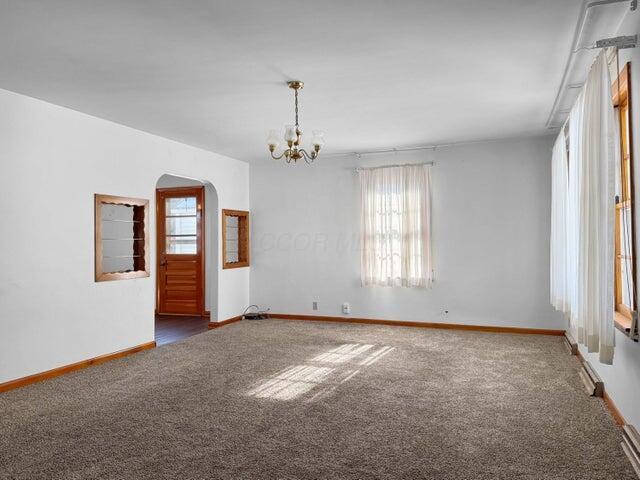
{"x": 573, "y": 221}
{"x": 587, "y": 248}
{"x": 596, "y": 213}
{"x": 559, "y": 230}
{"x": 396, "y": 226}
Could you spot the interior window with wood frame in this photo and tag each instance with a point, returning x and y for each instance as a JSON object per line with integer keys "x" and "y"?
{"x": 624, "y": 285}
{"x": 235, "y": 238}
{"x": 121, "y": 238}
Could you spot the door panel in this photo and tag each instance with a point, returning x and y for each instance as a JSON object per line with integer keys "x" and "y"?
{"x": 180, "y": 250}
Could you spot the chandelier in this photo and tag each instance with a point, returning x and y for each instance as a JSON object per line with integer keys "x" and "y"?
{"x": 293, "y": 136}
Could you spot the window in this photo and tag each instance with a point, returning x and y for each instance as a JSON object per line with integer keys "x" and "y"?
{"x": 624, "y": 267}
{"x": 235, "y": 238}
{"x": 396, "y": 226}
{"x": 181, "y": 215}
{"x": 121, "y": 239}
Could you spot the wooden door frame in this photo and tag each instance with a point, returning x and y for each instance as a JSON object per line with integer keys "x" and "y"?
{"x": 200, "y": 227}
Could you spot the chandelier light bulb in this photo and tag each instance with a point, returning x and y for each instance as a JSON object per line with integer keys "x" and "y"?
{"x": 273, "y": 140}
{"x": 290, "y": 133}
{"x": 318, "y": 138}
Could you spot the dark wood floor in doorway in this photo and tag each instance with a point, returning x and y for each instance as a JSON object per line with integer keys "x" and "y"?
{"x": 171, "y": 328}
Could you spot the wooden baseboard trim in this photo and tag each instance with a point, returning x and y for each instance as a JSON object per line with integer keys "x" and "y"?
{"x": 608, "y": 401}
{"x": 615, "y": 413}
{"x": 56, "y": 372}
{"x": 213, "y": 325}
{"x": 570, "y": 343}
{"x": 402, "y": 323}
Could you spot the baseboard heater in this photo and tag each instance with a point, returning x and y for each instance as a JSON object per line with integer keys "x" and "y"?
{"x": 631, "y": 446}
{"x": 570, "y": 343}
{"x": 591, "y": 380}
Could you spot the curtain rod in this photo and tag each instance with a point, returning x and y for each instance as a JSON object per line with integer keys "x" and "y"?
{"x": 611, "y": 56}
{"x": 422, "y": 147}
{"x": 357, "y": 169}
{"x": 575, "y": 44}
{"x": 387, "y": 150}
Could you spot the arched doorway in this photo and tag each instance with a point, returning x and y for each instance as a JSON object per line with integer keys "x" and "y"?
{"x": 187, "y": 228}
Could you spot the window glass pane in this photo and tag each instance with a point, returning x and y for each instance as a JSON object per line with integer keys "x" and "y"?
{"x": 121, "y": 248}
{"x": 181, "y": 226}
{"x": 120, "y": 245}
{"x": 118, "y": 229}
{"x": 626, "y": 286}
{"x": 232, "y": 246}
{"x": 123, "y": 213}
{"x": 232, "y": 233}
{"x": 181, "y": 245}
{"x": 117, "y": 264}
{"x": 625, "y": 231}
{"x": 180, "y": 206}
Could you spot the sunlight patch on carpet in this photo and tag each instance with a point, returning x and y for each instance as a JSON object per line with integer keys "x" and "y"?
{"x": 297, "y": 380}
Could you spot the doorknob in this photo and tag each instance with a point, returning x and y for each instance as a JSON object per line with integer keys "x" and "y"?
{"x": 163, "y": 262}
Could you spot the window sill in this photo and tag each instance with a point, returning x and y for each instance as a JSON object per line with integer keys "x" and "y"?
{"x": 622, "y": 323}
{"x": 235, "y": 265}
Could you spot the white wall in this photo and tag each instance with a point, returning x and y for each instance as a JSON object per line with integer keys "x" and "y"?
{"x": 53, "y": 159}
{"x": 622, "y": 379}
{"x": 491, "y": 220}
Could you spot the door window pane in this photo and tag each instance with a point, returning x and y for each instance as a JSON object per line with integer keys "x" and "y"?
{"x": 181, "y": 226}
{"x": 185, "y": 245}
{"x": 180, "y": 206}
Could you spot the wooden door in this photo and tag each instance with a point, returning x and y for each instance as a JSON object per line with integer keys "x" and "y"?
{"x": 180, "y": 220}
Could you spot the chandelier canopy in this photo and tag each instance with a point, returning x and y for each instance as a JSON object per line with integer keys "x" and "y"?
{"x": 293, "y": 136}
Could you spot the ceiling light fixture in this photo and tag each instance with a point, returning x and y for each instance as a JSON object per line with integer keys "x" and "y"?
{"x": 293, "y": 136}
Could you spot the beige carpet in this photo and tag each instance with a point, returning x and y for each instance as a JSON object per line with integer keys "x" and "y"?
{"x": 304, "y": 400}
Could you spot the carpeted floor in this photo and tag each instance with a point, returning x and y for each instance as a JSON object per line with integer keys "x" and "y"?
{"x": 304, "y": 400}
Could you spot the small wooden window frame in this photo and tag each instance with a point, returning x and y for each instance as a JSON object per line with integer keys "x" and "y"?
{"x": 621, "y": 97}
{"x": 243, "y": 238}
{"x": 142, "y": 215}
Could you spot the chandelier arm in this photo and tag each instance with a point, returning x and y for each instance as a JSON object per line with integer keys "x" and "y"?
{"x": 309, "y": 158}
{"x": 279, "y": 157}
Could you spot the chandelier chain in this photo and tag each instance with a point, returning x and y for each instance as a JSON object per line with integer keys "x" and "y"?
{"x": 296, "y": 93}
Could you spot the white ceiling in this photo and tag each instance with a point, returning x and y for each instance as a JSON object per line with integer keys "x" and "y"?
{"x": 377, "y": 73}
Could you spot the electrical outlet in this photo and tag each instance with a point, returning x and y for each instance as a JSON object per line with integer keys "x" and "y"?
{"x": 346, "y": 308}
{"x": 315, "y": 305}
